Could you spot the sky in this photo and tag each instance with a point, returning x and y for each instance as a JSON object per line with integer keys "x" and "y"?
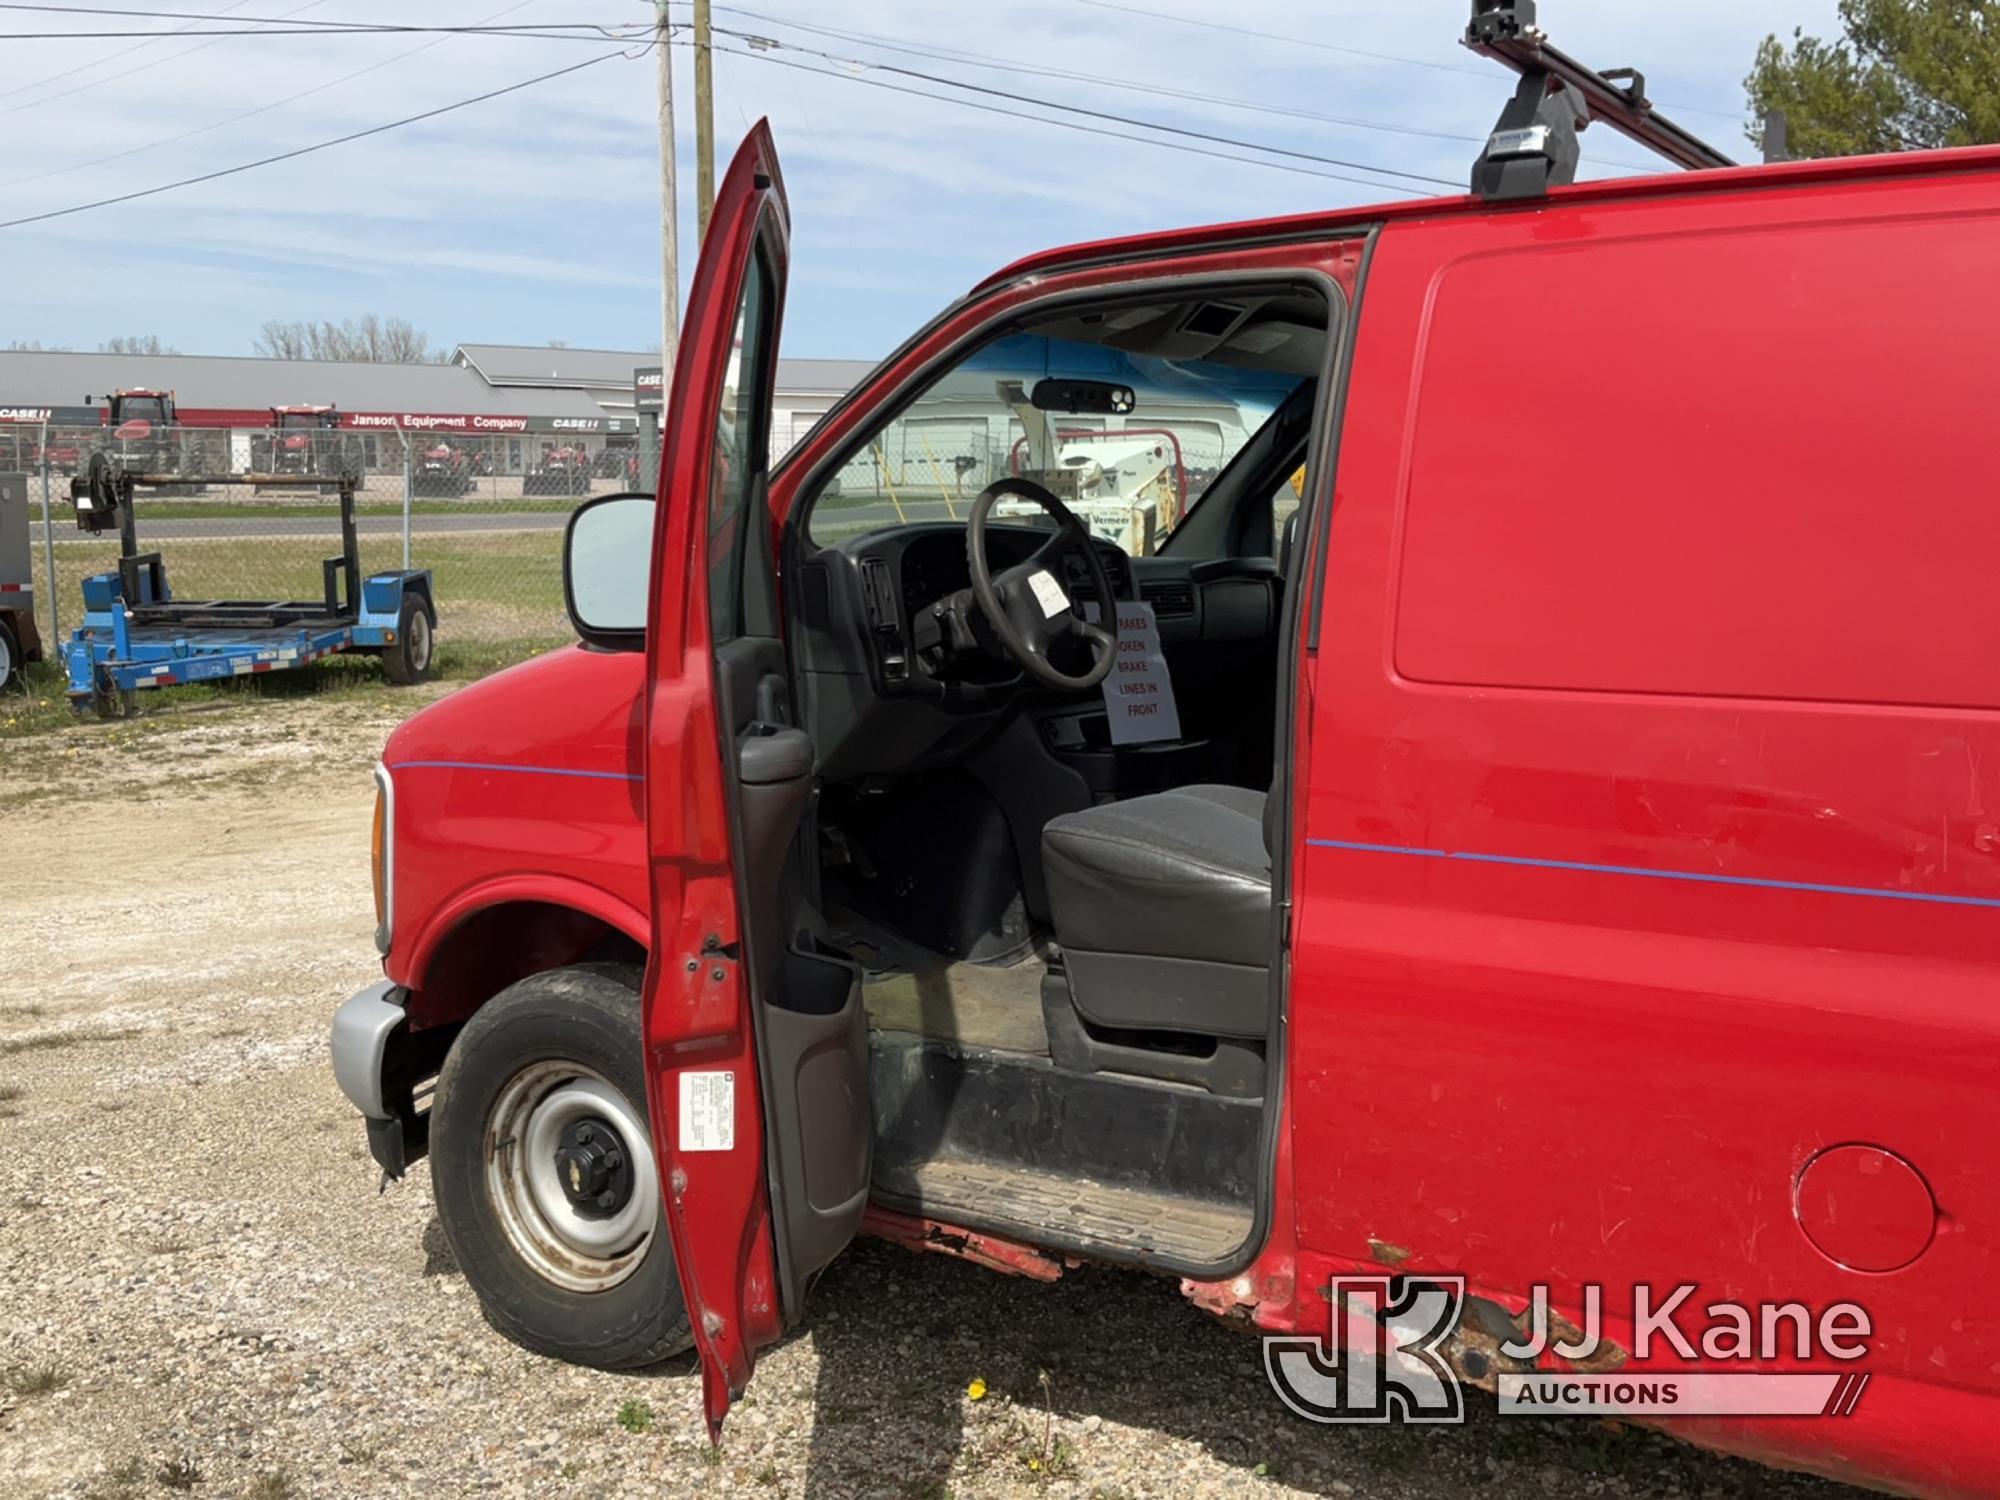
{"x": 536, "y": 216}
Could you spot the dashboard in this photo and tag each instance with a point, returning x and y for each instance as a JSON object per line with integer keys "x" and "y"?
{"x": 933, "y": 564}
{"x": 874, "y": 704}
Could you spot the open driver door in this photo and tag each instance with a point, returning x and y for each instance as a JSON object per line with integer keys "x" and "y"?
{"x": 756, "y": 1048}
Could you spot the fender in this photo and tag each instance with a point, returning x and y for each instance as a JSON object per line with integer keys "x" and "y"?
{"x": 550, "y": 890}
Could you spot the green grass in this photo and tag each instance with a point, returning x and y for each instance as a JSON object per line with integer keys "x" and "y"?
{"x": 264, "y": 509}
{"x": 510, "y": 569}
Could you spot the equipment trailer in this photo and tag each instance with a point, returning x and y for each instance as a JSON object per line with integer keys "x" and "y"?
{"x": 135, "y": 634}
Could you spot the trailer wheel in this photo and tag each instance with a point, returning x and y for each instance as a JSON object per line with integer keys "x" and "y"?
{"x": 409, "y": 660}
{"x": 111, "y": 703}
{"x": 10, "y": 653}
{"x": 543, "y": 1172}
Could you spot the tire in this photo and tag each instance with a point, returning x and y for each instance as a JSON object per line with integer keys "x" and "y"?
{"x": 504, "y": 1083}
{"x": 112, "y": 704}
{"x": 410, "y": 659}
{"x": 10, "y": 654}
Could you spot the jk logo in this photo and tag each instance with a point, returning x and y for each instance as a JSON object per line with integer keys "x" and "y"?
{"x": 1380, "y": 1359}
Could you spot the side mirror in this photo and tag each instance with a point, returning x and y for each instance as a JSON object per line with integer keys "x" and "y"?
{"x": 607, "y": 566}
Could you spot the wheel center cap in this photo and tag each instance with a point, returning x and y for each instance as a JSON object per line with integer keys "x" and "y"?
{"x": 594, "y": 1169}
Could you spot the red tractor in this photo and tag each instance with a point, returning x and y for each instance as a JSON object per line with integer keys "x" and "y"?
{"x": 146, "y": 437}
{"x": 559, "y": 471}
{"x": 442, "y": 470}
{"x": 300, "y": 443}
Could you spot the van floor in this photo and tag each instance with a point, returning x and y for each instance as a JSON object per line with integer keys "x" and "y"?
{"x": 977, "y": 1005}
{"x": 1003, "y": 1141}
{"x": 1143, "y": 1223}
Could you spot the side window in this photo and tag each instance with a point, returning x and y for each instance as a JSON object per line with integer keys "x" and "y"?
{"x": 735, "y": 502}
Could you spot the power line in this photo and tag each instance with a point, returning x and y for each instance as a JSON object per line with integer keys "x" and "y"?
{"x": 1317, "y": 45}
{"x": 1093, "y": 114}
{"x": 99, "y": 62}
{"x": 1290, "y": 41}
{"x": 340, "y": 140}
{"x": 172, "y": 140}
{"x": 228, "y": 15}
{"x": 1008, "y": 65}
{"x": 99, "y": 83}
{"x": 1041, "y": 119}
{"x": 598, "y": 34}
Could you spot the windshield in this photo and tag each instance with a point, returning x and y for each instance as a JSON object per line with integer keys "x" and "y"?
{"x": 298, "y": 419}
{"x": 1131, "y": 477}
{"x": 141, "y": 409}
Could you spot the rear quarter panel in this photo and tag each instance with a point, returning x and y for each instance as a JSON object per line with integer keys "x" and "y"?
{"x": 1653, "y": 795}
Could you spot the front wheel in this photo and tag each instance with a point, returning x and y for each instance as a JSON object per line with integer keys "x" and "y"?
{"x": 10, "y": 653}
{"x": 543, "y": 1170}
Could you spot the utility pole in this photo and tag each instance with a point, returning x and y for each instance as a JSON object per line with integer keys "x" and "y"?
{"x": 670, "y": 250}
{"x": 704, "y": 115}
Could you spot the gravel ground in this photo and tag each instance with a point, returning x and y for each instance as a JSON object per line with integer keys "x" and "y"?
{"x": 201, "y": 1290}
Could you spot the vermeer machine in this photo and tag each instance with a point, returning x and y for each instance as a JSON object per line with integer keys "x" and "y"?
{"x": 136, "y": 634}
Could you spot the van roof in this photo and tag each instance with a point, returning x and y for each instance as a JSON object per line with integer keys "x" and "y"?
{"x": 1766, "y": 177}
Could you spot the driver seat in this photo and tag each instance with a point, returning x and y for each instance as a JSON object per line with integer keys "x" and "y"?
{"x": 1162, "y": 907}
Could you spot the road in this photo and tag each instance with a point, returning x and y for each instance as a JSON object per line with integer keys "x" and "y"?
{"x": 223, "y": 528}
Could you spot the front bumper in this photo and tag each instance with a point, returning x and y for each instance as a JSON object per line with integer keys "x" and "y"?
{"x": 362, "y": 1031}
{"x": 380, "y": 1065}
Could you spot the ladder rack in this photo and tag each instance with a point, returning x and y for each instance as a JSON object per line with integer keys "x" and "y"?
{"x": 1533, "y": 146}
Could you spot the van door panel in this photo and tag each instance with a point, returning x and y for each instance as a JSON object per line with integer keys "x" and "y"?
{"x": 1584, "y": 980}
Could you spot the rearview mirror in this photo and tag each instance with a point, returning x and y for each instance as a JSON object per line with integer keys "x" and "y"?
{"x": 607, "y": 566}
{"x": 1098, "y": 398}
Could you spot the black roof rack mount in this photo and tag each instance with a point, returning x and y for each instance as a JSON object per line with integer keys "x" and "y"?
{"x": 1533, "y": 146}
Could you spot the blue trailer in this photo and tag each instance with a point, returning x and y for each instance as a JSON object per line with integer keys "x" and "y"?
{"x": 136, "y": 634}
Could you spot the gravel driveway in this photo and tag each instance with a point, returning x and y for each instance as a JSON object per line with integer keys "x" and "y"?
{"x": 200, "y": 1289}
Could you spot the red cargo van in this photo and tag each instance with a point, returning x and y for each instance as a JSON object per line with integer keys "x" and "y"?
{"x": 1563, "y": 853}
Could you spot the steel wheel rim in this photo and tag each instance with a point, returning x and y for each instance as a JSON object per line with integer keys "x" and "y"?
{"x": 561, "y": 1244}
{"x": 6, "y": 657}
{"x": 420, "y": 640}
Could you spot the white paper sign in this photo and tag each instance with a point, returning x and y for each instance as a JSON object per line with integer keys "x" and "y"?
{"x": 1138, "y": 693}
{"x": 1048, "y": 593}
{"x": 708, "y": 1111}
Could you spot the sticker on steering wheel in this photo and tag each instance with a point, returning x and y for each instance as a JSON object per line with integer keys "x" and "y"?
{"x": 1048, "y": 593}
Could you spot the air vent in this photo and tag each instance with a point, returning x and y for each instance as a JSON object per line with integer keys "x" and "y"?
{"x": 1076, "y": 574}
{"x": 1171, "y": 598}
{"x": 877, "y": 594}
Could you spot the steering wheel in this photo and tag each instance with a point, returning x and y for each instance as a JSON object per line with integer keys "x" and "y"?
{"x": 1027, "y": 605}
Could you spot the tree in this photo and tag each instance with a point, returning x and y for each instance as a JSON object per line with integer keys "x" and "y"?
{"x": 136, "y": 343}
{"x": 35, "y": 346}
{"x": 1908, "y": 74}
{"x": 370, "y": 340}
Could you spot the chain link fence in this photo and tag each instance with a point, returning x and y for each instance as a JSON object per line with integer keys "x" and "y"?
{"x": 484, "y": 512}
